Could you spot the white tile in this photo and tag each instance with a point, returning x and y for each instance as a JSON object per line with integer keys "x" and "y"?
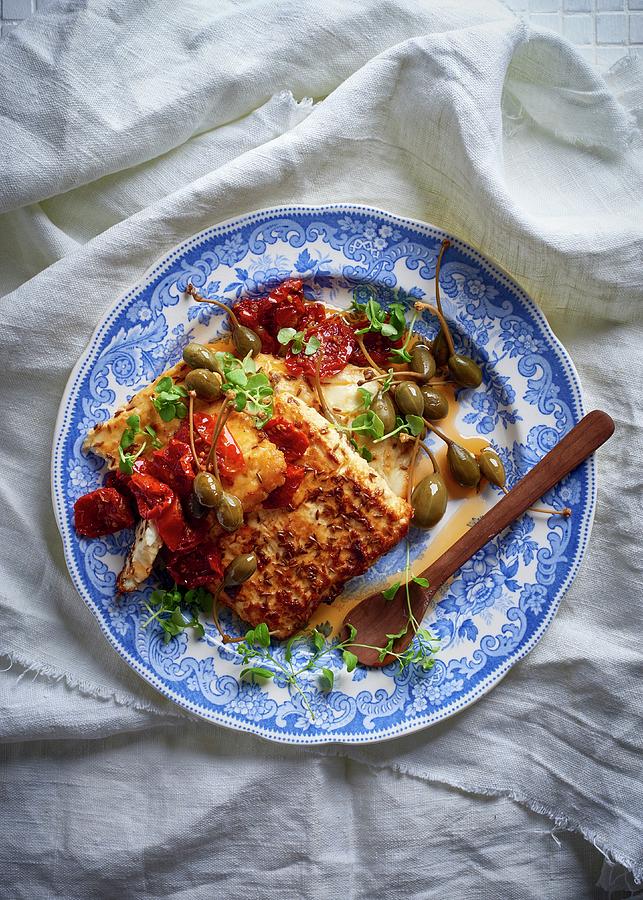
{"x": 541, "y": 20}
{"x": 611, "y": 28}
{"x": 579, "y": 29}
{"x": 578, "y": 5}
{"x": 17, "y": 9}
{"x": 636, "y": 28}
{"x": 544, "y": 6}
{"x": 614, "y": 5}
{"x": 636, "y": 4}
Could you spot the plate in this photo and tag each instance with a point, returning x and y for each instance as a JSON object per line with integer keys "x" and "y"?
{"x": 499, "y": 604}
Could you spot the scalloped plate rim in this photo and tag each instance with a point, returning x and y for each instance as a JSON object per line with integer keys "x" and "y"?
{"x": 219, "y": 717}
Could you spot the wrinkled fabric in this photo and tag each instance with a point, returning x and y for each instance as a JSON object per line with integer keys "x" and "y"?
{"x": 149, "y": 124}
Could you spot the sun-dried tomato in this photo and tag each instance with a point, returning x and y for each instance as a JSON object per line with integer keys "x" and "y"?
{"x": 313, "y": 312}
{"x": 152, "y": 496}
{"x": 252, "y": 312}
{"x": 175, "y": 531}
{"x": 337, "y": 344}
{"x": 283, "y": 496}
{"x": 378, "y": 347}
{"x": 174, "y": 466}
{"x": 203, "y": 430}
{"x": 101, "y": 512}
{"x": 195, "y": 568}
{"x": 229, "y": 456}
{"x": 291, "y": 440}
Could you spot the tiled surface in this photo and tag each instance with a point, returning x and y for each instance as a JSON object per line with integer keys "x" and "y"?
{"x": 604, "y": 30}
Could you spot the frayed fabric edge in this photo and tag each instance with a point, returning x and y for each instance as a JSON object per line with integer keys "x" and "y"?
{"x": 84, "y": 688}
{"x": 560, "y": 821}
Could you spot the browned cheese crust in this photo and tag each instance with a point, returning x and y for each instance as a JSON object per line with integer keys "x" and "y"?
{"x": 345, "y": 517}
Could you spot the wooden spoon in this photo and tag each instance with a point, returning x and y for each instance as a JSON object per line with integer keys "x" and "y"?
{"x": 374, "y": 617}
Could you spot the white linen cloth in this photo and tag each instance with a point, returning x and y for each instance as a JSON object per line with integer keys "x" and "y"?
{"x": 174, "y": 118}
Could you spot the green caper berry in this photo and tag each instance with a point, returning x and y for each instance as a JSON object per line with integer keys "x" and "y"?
{"x": 207, "y": 489}
{"x": 195, "y": 508}
{"x": 422, "y": 362}
{"x": 429, "y": 501}
{"x": 246, "y": 341}
{"x": 383, "y": 406}
{"x": 205, "y": 384}
{"x": 465, "y": 371}
{"x": 491, "y": 467}
{"x": 240, "y": 569}
{"x": 436, "y": 405}
{"x": 230, "y": 512}
{"x": 440, "y": 349}
{"x": 198, "y": 356}
{"x": 464, "y": 466}
{"x": 408, "y": 399}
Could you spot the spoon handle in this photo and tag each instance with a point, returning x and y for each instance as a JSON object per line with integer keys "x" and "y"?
{"x": 592, "y": 431}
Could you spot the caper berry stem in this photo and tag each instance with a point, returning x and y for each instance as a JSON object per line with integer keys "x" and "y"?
{"x": 191, "y": 396}
{"x": 367, "y": 356}
{"x": 222, "y": 418}
{"x": 437, "y": 309}
{"x": 565, "y": 511}
{"x": 400, "y": 373}
{"x": 412, "y": 464}
{"x": 447, "y": 440}
{"x": 190, "y": 289}
{"x": 327, "y": 411}
{"x": 431, "y": 455}
{"x": 443, "y": 322}
{"x": 215, "y": 618}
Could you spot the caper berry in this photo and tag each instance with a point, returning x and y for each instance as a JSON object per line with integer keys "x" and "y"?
{"x": 383, "y": 406}
{"x": 422, "y": 362}
{"x": 491, "y": 467}
{"x": 205, "y": 384}
{"x": 440, "y": 349}
{"x": 240, "y": 569}
{"x": 436, "y": 405}
{"x": 465, "y": 371}
{"x": 198, "y": 356}
{"x": 230, "y": 512}
{"x": 463, "y": 465}
{"x": 195, "y": 508}
{"x": 246, "y": 341}
{"x": 207, "y": 489}
{"x": 408, "y": 399}
{"x": 429, "y": 501}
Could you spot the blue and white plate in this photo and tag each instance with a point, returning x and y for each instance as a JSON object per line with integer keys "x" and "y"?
{"x": 499, "y": 604}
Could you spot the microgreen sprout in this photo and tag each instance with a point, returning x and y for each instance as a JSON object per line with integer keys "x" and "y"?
{"x": 297, "y": 341}
{"x": 169, "y": 400}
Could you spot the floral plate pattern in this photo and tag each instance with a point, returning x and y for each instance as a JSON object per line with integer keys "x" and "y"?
{"x": 501, "y": 601}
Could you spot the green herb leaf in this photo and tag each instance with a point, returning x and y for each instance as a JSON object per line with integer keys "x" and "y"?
{"x": 365, "y": 397}
{"x": 152, "y": 433}
{"x": 327, "y": 679}
{"x": 262, "y": 635}
{"x": 423, "y": 582}
{"x": 350, "y": 660}
{"x": 318, "y": 639}
{"x": 127, "y": 460}
{"x": 129, "y": 435}
{"x": 415, "y": 425}
{"x": 312, "y": 345}
{"x": 285, "y": 335}
{"x": 257, "y": 672}
{"x": 168, "y": 401}
{"x": 391, "y": 591}
{"x": 368, "y": 423}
